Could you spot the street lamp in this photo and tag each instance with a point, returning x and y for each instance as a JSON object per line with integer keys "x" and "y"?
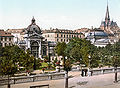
{"x": 89, "y": 57}
{"x": 80, "y": 65}
{"x": 115, "y": 68}
{"x": 89, "y": 61}
{"x": 115, "y": 73}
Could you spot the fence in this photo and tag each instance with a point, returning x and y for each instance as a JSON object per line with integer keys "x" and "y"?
{"x": 104, "y": 71}
{"x": 25, "y": 79}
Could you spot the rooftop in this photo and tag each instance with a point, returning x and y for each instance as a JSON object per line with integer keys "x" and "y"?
{"x": 5, "y": 34}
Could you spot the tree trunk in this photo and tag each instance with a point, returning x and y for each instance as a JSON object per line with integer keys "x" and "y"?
{"x": 66, "y": 79}
{"x": 8, "y": 82}
{"x": 64, "y": 61}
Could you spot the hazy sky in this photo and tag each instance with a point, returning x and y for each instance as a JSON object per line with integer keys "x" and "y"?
{"x": 65, "y": 14}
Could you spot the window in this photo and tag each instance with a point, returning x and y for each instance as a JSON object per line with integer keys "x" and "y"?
{"x": 64, "y": 40}
{"x": 61, "y": 40}
{"x": 1, "y": 38}
{"x": 5, "y": 44}
{"x": 9, "y": 44}
{"x": 72, "y": 36}
{"x": 57, "y": 35}
{"x": 77, "y": 36}
{"x": 1, "y": 44}
{"x": 67, "y": 40}
{"x": 67, "y": 36}
{"x": 64, "y": 36}
{"x": 9, "y": 39}
{"x": 5, "y": 39}
{"x": 61, "y": 35}
{"x": 57, "y": 40}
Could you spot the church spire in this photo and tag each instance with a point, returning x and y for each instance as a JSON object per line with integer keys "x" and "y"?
{"x": 107, "y": 17}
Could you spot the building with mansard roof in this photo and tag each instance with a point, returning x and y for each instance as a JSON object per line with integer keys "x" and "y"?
{"x": 61, "y": 35}
{"x": 6, "y": 39}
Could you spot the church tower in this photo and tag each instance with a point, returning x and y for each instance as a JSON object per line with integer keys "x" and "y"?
{"x": 107, "y": 17}
{"x": 108, "y": 25}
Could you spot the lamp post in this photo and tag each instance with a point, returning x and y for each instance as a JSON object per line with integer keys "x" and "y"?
{"x": 80, "y": 65}
{"x": 115, "y": 69}
{"x": 89, "y": 61}
{"x": 89, "y": 57}
{"x": 66, "y": 74}
{"x": 115, "y": 73}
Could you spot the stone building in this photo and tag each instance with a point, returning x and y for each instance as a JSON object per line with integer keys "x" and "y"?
{"x": 33, "y": 39}
{"x": 18, "y": 34}
{"x": 6, "y": 39}
{"x": 60, "y": 35}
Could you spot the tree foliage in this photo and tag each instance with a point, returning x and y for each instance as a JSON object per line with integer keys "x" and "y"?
{"x": 12, "y": 57}
{"x": 79, "y": 50}
{"x": 60, "y": 49}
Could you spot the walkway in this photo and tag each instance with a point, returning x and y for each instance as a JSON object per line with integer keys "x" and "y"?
{"x": 76, "y": 81}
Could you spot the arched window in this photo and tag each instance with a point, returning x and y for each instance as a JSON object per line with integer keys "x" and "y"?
{"x": 35, "y": 49}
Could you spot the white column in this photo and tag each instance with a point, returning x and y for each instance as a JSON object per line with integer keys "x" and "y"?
{"x": 40, "y": 49}
{"x": 28, "y": 44}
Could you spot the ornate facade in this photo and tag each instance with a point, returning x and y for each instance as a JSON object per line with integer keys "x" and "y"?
{"x": 33, "y": 38}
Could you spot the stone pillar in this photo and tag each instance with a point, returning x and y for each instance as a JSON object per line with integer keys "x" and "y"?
{"x": 40, "y": 50}
{"x": 28, "y": 44}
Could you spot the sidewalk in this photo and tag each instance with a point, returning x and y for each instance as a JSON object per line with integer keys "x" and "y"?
{"x": 76, "y": 81}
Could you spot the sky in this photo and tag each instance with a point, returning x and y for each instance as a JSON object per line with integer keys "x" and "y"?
{"x": 63, "y": 14}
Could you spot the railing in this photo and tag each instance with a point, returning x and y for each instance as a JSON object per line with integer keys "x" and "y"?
{"x": 99, "y": 70}
{"x": 42, "y": 77}
{"x": 104, "y": 71}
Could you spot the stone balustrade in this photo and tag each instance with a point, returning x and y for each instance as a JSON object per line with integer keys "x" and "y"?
{"x": 40, "y": 77}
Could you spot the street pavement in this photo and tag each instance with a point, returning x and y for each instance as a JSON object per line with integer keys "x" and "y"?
{"x": 76, "y": 81}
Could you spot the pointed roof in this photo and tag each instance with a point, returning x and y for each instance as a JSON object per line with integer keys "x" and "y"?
{"x": 33, "y": 20}
{"x": 107, "y": 17}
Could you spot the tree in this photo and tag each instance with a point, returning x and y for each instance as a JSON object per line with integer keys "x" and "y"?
{"x": 27, "y": 60}
{"x": 7, "y": 64}
{"x": 60, "y": 50}
{"x": 76, "y": 53}
{"x": 80, "y": 49}
{"x": 11, "y": 57}
{"x": 67, "y": 68}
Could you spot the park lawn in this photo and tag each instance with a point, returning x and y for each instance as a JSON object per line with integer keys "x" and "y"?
{"x": 44, "y": 64}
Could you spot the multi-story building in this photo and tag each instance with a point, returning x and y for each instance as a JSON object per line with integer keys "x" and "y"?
{"x": 60, "y": 35}
{"x": 6, "y": 39}
{"x": 18, "y": 34}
